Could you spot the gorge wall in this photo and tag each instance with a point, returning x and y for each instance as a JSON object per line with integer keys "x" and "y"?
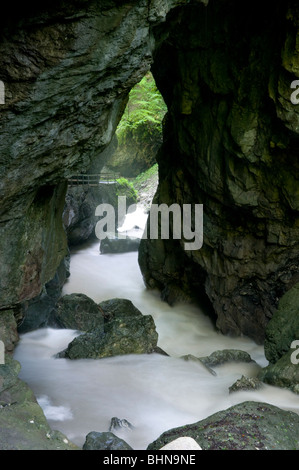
{"x": 67, "y": 69}
{"x": 230, "y": 140}
{"x": 230, "y": 143}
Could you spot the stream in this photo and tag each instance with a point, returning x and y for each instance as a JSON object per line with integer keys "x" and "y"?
{"x": 153, "y": 392}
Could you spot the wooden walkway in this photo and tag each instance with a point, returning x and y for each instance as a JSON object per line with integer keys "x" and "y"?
{"x": 93, "y": 180}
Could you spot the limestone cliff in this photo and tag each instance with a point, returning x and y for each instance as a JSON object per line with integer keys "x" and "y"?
{"x": 230, "y": 143}
{"x": 67, "y": 68}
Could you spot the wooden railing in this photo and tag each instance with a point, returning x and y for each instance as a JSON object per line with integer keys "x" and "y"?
{"x": 93, "y": 179}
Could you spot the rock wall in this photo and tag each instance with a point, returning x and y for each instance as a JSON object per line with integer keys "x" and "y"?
{"x": 67, "y": 69}
{"x": 230, "y": 143}
{"x": 230, "y": 140}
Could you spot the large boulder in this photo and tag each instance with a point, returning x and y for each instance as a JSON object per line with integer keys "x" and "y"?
{"x": 246, "y": 426}
{"x": 78, "y": 312}
{"x": 125, "y": 331}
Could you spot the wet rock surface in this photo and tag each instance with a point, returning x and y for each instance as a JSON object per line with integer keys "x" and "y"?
{"x": 281, "y": 344}
{"x": 119, "y": 245}
{"x": 125, "y": 331}
{"x": 246, "y": 426}
{"x": 67, "y": 75}
{"x": 230, "y": 143}
{"x": 23, "y": 423}
{"x": 104, "y": 441}
{"x": 78, "y": 312}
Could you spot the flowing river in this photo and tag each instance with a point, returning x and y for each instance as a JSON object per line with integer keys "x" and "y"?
{"x": 153, "y": 392}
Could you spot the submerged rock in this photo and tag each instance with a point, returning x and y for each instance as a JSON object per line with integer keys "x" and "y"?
{"x": 119, "y": 245}
{"x": 117, "y": 423}
{"x": 226, "y": 355}
{"x": 220, "y": 357}
{"x": 125, "y": 331}
{"x": 104, "y": 441}
{"x": 246, "y": 383}
{"x": 246, "y": 426}
{"x": 190, "y": 357}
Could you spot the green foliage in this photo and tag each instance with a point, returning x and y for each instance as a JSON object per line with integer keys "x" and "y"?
{"x": 142, "y": 177}
{"x": 126, "y": 188}
{"x": 144, "y": 112}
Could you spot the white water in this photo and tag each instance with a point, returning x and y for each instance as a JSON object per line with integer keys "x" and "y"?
{"x": 153, "y": 392}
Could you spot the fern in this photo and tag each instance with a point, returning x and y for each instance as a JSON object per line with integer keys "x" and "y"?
{"x": 144, "y": 113}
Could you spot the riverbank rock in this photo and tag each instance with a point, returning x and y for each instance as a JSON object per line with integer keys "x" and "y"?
{"x": 78, "y": 312}
{"x": 38, "y": 312}
{"x": 23, "y": 423}
{"x": 119, "y": 245}
{"x": 8, "y": 330}
{"x": 104, "y": 441}
{"x": 284, "y": 373}
{"x": 79, "y": 213}
{"x": 281, "y": 336}
{"x": 146, "y": 186}
{"x": 283, "y": 328}
{"x": 246, "y": 426}
{"x": 81, "y": 201}
{"x": 125, "y": 331}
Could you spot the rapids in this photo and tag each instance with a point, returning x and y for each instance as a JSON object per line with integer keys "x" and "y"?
{"x": 153, "y": 392}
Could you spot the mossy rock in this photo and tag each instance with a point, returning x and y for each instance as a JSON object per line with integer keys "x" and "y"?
{"x": 126, "y": 331}
{"x": 284, "y": 373}
{"x": 104, "y": 441}
{"x": 78, "y": 312}
{"x": 246, "y": 426}
{"x": 283, "y": 328}
{"x": 23, "y": 423}
{"x": 24, "y": 427}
